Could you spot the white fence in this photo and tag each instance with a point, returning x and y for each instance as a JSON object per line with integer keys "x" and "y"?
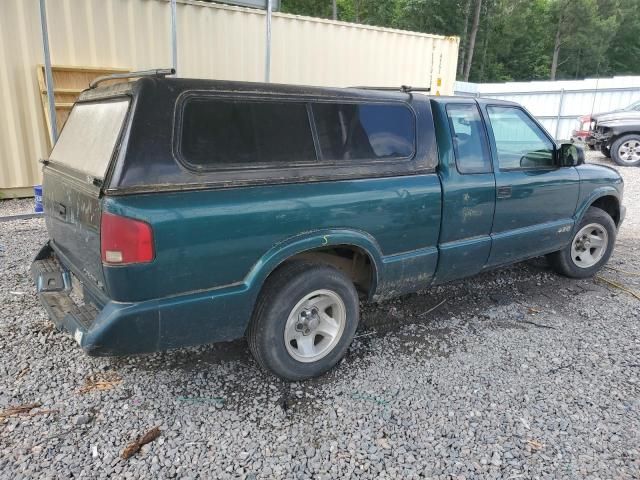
{"x": 558, "y": 104}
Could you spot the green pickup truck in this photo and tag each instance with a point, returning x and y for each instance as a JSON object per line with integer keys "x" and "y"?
{"x": 184, "y": 212}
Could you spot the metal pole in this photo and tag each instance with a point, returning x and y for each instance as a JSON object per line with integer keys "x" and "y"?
{"x": 559, "y": 113}
{"x": 267, "y": 55}
{"x": 47, "y": 71}
{"x": 174, "y": 40}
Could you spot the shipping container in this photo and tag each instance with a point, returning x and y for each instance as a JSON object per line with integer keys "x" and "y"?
{"x": 213, "y": 41}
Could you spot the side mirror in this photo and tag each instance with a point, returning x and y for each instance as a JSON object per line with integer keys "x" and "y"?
{"x": 570, "y": 155}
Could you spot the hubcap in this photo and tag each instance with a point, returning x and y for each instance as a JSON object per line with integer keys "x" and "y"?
{"x": 315, "y": 326}
{"x": 589, "y": 245}
{"x": 629, "y": 152}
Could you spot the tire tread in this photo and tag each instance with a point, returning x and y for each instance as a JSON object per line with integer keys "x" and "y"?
{"x": 561, "y": 262}
{"x": 616, "y": 145}
{"x": 288, "y": 272}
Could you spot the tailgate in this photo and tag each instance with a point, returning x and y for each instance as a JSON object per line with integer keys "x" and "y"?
{"x": 72, "y": 181}
{"x": 72, "y": 213}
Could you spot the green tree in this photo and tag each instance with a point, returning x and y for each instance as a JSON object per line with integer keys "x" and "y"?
{"x": 514, "y": 39}
{"x": 508, "y": 35}
{"x": 311, "y": 8}
{"x": 624, "y": 47}
{"x": 582, "y": 37}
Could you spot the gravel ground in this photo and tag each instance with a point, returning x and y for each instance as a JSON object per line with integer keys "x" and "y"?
{"x": 519, "y": 374}
{"x": 16, "y": 207}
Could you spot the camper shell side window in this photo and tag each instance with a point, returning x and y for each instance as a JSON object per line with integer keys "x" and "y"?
{"x": 218, "y": 133}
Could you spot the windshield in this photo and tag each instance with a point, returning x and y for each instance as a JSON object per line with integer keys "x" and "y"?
{"x": 90, "y": 135}
{"x": 633, "y": 107}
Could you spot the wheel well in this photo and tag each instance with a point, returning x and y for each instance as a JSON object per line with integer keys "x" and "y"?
{"x": 352, "y": 260}
{"x": 617, "y": 137}
{"x": 610, "y": 205}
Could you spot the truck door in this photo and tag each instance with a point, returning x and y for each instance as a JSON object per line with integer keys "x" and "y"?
{"x": 535, "y": 197}
{"x": 468, "y": 189}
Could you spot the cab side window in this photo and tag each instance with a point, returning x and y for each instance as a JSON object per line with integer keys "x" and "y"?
{"x": 469, "y": 139}
{"x": 520, "y": 143}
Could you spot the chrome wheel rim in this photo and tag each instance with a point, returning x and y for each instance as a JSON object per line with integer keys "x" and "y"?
{"x": 589, "y": 245}
{"x": 315, "y": 326}
{"x": 629, "y": 152}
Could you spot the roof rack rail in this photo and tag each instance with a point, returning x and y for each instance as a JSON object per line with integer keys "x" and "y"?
{"x": 159, "y": 72}
{"x": 402, "y": 88}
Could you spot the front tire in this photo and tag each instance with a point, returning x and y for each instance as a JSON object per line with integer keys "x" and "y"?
{"x": 590, "y": 247}
{"x": 304, "y": 320}
{"x": 604, "y": 150}
{"x": 625, "y": 151}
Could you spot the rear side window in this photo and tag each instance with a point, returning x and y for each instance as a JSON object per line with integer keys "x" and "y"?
{"x": 218, "y": 133}
{"x": 354, "y": 131}
{"x": 469, "y": 139}
{"x": 90, "y": 135}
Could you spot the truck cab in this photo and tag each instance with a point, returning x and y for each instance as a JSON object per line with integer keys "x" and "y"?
{"x": 184, "y": 212}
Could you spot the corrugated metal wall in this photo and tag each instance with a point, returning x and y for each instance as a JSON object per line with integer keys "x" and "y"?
{"x": 22, "y": 130}
{"x": 557, "y": 105}
{"x": 214, "y": 41}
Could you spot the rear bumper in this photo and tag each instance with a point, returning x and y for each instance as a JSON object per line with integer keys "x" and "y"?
{"x": 119, "y": 328}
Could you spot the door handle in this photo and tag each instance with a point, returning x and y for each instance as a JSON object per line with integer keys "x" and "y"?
{"x": 504, "y": 192}
{"x": 61, "y": 210}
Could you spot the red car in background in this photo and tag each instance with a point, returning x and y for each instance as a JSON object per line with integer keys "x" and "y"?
{"x": 582, "y": 132}
{"x": 586, "y": 126}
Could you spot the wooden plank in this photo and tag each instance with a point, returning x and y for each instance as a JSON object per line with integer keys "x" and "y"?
{"x": 64, "y": 90}
{"x": 68, "y": 81}
{"x": 45, "y": 102}
{"x": 61, "y": 116}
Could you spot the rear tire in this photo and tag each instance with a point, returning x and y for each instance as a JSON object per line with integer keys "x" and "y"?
{"x": 625, "y": 151}
{"x": 590, "y": 247}
{"x": 304, "y": 320}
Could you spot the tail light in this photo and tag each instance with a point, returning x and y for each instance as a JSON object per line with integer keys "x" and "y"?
{"x": 125, "y": 240}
